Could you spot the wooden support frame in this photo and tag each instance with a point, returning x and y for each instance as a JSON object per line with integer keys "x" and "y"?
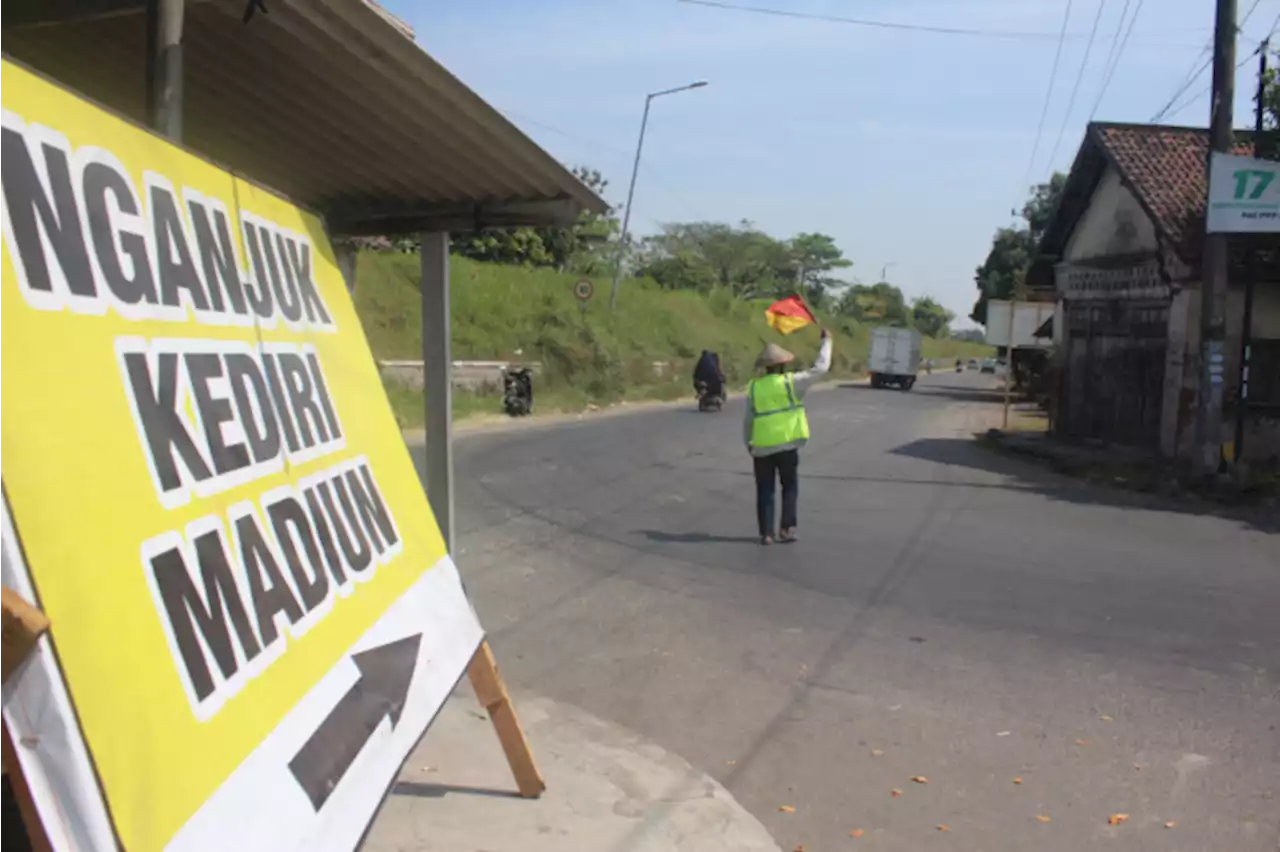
{"x": 437, "y": 387}
{"x": 486, "y": 680}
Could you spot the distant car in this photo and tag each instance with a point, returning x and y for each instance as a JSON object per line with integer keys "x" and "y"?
{"x": 973, "y": 363}
{"x": 988, "y": 366}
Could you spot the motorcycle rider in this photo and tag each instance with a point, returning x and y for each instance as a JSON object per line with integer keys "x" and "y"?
{"x": 708, "y": 376}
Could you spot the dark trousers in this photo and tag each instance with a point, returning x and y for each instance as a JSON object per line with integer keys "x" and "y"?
{"x": 768, "y": 468}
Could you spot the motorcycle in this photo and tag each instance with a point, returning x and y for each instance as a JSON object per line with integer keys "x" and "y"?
{"x": 517, "y": 391}
{"x": 707, "y": 401}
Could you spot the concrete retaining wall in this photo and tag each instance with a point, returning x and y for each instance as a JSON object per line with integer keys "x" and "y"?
{"x": 470, "y": 375}
{"x": 474, "y": 375}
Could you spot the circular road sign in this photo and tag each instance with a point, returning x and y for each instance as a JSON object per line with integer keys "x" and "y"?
{"x": 583, "y": 289}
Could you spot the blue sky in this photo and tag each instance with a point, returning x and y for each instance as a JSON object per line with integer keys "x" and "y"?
{"x": 909, "y": 148}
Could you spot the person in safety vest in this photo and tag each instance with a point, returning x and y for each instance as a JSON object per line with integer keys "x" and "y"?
{"x": 775, "y": 428}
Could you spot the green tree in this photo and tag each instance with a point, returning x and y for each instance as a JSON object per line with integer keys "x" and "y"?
{"x": 709, "y": 255}
{"x": 1042, "y": 203}
{"x": 815, "y": 256}
{"x": 931, "y": 318}
{"x": 878, "y": 304}
{"x": 581, "y": 247}
{"x": 1011, "y": 252}
{"x": 1012, "y": 249}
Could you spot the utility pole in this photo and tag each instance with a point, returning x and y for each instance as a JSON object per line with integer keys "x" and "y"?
{"x": 1213, "y": 274}
{"x": 1246, "y": 330}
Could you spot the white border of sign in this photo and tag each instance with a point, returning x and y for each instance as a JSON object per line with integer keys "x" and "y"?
{"x": 1244, "y": 195}
{"x": 583, "y": 290}
{"x": 259, "y": 806}
{"x": 47, "y": 741}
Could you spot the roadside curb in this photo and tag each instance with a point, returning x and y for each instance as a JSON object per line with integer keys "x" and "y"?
{"x": 498, "y": 423}
{"x": 607, "y": 788}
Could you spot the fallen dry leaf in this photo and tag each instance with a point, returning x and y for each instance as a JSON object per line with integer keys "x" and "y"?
{"x": 875, "y": 752}
{"x": 1171, "y": 824}
{"x": 919, "y": 779}
{"x": 731, "y": 763}
{"x": 1043, "y": 818}
{"x": 786, "y": 809}
{"x": 1082, "y": 742}
{"x": 800, "y": 848}
{"x": 1106, "y": 718}
{"x": 895, "y": 792}
{"x": 1117, "y": 819}
{"x": 944, "y": 828}
{"x": 1137, "y": 767}
{"x": 856, "y": 833}
{"x": 1017, "y": 780}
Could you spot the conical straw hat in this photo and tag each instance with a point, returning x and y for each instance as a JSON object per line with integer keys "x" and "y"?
{"x": 772, "y": 355}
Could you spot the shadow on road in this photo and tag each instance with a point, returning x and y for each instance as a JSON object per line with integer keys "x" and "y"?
{"x": 694, "y": 538}
{"x": 970, "y": 453}
{"x": 439, "y": 791}
{"x": 925, "y": 388}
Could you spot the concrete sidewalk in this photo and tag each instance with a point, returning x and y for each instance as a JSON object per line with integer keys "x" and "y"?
{"x": 607, "y": 791}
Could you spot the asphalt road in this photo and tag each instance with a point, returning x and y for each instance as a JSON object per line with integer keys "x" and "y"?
{"x": 948, "y": 613}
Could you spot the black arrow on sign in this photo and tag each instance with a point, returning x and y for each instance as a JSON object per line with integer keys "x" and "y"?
{"x": 385, "y": 674}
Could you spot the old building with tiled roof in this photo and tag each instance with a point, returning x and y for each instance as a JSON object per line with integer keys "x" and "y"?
{"x": 1122, "y": 256}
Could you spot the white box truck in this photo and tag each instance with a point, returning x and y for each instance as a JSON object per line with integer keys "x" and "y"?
{"x": 894, "y": 358}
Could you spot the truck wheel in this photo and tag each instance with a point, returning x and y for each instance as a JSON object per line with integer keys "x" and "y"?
{"x": 907, "y": 383}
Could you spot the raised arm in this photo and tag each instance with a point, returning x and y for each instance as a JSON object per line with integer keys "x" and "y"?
{"x": 804, "y": 378}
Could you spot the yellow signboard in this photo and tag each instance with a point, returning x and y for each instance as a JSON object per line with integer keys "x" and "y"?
{"x": 253, "y": 609}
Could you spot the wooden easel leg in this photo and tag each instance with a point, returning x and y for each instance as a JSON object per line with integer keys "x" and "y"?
{"x": 22, "y": 794}
{"x": 492, "y": 693}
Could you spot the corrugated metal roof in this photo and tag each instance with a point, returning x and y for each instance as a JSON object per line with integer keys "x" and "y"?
{"x": 399, "y": 23}
{"x": 327, "y": 102}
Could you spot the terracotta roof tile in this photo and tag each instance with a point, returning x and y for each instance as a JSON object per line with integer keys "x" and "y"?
{"x": 1165, "y": 166}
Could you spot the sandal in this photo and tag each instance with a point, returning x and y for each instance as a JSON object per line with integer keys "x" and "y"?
{"x": 766, "y": 540}
{"x": 788, "y": 536}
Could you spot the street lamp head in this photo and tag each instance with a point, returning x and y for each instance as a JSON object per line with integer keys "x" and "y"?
{"x": 685, "y": 88}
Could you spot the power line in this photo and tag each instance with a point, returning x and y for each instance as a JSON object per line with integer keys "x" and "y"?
{"x": 1075, "y": 89}
{"x": 592, "y": 143}
{"x": 1115, "y": 38}
{"x": 1023, "y": 35}
{"x": 1113, "y": 57}
{"x": 1048, "y": 97}
{"x": 1195, "y": 72}
{"x": 1204, "y": 91}
{"x": 1191, "y": 77}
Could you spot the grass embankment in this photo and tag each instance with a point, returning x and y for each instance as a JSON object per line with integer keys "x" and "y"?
{"x": 588, "y": 356}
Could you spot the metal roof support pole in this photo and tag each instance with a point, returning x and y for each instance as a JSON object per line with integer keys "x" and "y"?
{"x": 164, "y": 66}
{"x": 437, "y": 386}
{"x": 346, "y": 253}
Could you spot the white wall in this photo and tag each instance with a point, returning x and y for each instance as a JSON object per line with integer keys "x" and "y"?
{"x": 1114, "y": 224}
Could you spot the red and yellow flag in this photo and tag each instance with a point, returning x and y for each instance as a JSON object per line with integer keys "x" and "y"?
{"x": 787, "y": 315}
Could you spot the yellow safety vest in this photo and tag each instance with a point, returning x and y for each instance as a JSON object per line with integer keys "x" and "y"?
{"x": 777, "y": 412}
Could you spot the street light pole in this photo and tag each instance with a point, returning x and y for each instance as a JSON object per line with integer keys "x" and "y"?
{"x": 631, "y": 190}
